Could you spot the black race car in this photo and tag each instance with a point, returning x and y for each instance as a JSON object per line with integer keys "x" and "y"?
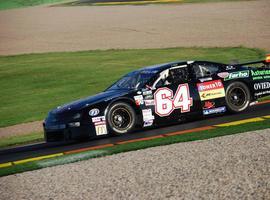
{"x": 161, "y": 94}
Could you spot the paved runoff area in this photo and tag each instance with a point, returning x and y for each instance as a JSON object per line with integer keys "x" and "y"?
{"x": 229, "y": 167}
{"x": 47, "y": 29}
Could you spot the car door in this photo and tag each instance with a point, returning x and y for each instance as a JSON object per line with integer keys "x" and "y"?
{"x": 210, "y": 87}
{"x": 173, "y": 96}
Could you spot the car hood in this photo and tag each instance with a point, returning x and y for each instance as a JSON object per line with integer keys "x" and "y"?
{"x": 81, "y": 103}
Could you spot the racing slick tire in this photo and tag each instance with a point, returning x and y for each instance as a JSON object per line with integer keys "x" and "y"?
{"x": 121, "y": 118}
{"x": 237, "y": 97}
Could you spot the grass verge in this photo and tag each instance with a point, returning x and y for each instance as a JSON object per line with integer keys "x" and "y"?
{"x": 135, "y": 146}
{"x": 21, "y": 139}
{"x": 9, "y": 4}
{"x": 264, "y": 99}
{"x": 33, "y": 84}
{"x": 136, "y": 2}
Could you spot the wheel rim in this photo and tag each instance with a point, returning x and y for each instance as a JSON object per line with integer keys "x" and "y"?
{"x": 238, "y": 97}
{"x": 121, "y": 118}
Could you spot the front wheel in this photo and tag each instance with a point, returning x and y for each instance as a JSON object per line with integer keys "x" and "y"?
{"x": 237, "y": 97}
{"x": 121, "y": 118}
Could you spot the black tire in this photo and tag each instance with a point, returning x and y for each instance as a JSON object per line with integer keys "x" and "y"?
{"x": 237, "y": 97}
{"x": 121, "y": 118}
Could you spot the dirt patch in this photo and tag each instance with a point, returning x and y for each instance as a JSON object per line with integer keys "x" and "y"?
{"x": 21, "y": 129}
{"x": 47, "y": 29}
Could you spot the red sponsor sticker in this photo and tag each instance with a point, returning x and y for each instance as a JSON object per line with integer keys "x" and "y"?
{"x": 209, "y": 104}
{"x": 210, "y": 85}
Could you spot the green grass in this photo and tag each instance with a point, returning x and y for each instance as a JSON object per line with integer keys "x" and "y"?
{"x": 8, "y": 4}
{"x": 135, "y": 146}
{"x": 21, "y": 139}
{"x": 33, "y": 84}
{"x": 264, "y": 98}
{"x": 137, "y": 2}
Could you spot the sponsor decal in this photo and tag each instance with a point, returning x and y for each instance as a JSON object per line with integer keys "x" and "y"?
{"x": 209, "y": 105}
{"x": 94, "y": 112}
{"x": 148, "y": 123}
{"x": 98, "y": 119}
{"x": 267, "y": 59}
{"x": 148, "y": 92}
{"x": 138, "y": 99}
{"x": 101, "y": 129}
{"x": 239, "y": 74}
{"x": 230, "y": 68}
{"x": 147, "y": 115}
{"x": 260, "y": 74}
{"x": 212, "y": 95}
{"x": 223, "y": 74}
{"x": 166, "y": 102}
{"x": 262, "y": 86}
{"x": 214, "y": 110}
{"x": 205, "y": 79}
{"x": 100, "y": 125}
{"x": 262, "y": 93}
{"x": 150, "y": 102}
{"x": 211, "y": 90}
{"x": 212, "y": 85}
{"x": 149, "y": 97}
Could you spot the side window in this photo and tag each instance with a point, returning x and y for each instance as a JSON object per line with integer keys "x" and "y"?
{"x": 177, "y": 75}
{"x": 173, "y": 76}
{"x": 202, "y": 70}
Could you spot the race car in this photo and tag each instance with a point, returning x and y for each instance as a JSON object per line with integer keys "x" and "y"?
{"x": 160, "y": 95}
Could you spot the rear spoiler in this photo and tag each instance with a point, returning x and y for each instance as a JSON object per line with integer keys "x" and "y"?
{"x": 266, "y": 61}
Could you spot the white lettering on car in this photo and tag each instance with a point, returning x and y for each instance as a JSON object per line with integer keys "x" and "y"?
{"x": 262, "y": 86}
{"x": 165, "y": 103}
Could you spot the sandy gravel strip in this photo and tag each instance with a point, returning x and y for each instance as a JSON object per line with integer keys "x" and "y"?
{"x": 21, "y": 129}
{"x": 47, "y": 29}
{"x": 230, "y": 167}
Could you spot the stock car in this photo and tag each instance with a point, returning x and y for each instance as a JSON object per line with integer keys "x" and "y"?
{"x": 160, "y": 95}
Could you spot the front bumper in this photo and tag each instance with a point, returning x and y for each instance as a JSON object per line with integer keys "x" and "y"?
{"x": 62, "y": 132}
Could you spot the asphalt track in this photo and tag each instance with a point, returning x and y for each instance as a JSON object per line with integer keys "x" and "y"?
{"x": 41, "y": 149}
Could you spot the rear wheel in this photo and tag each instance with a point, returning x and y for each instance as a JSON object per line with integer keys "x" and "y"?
{"x": 237, "y": 97}
{"x": 121, "y": 118}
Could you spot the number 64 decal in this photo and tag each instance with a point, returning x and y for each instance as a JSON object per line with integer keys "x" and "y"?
{"x": 166, "y": 103}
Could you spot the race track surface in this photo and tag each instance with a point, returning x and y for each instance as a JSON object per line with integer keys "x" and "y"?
{"x": 230, "y": 167}
{"x": 47, "y": 29}
{"x": 30, "y": 151}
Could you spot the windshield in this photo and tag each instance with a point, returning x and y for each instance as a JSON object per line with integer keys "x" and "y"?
{"x": 134, "y": 80}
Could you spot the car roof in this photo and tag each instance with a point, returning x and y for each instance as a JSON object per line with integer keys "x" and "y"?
{"x": 163, "y": 66}
{"x": 160, "y": 67}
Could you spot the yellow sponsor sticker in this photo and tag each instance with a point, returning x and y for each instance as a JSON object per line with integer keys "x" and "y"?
{"x": 211, "y": 90}
{"x": 212, "y": 94}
